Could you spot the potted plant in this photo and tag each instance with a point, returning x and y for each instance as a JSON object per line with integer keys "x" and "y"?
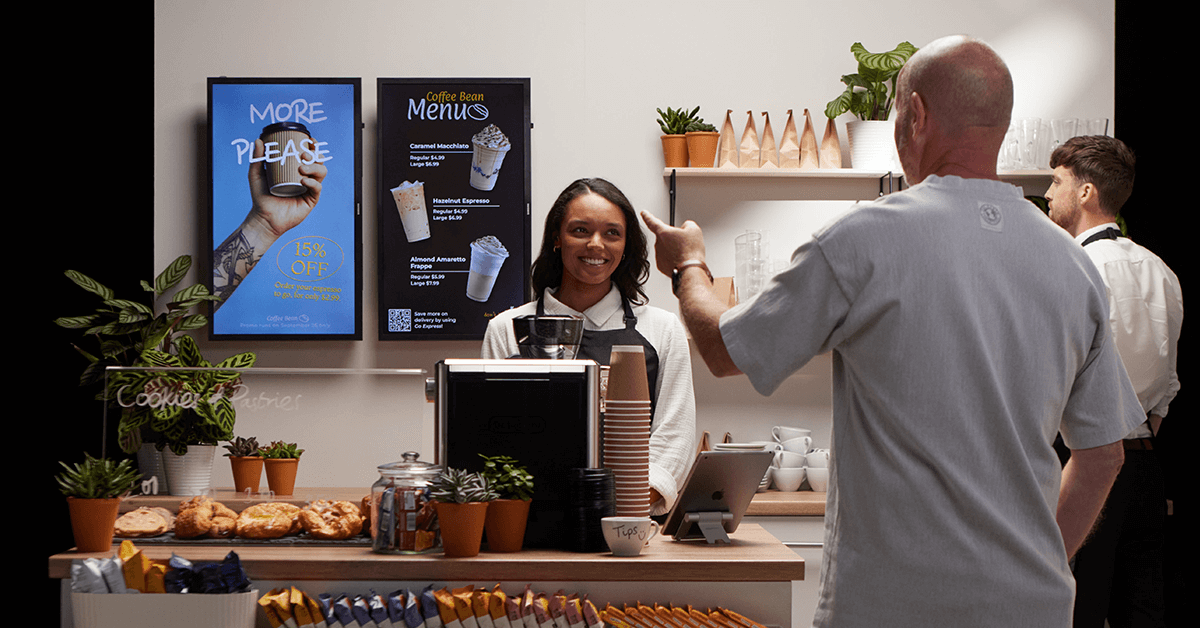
{"x": 281, "y": 459}
{"x": 674, "y": 126}
{"x": 509, "y": 512}
{"x": 867, "y": 95}
{"x": 702, "y": 141}
{"x": 183, "y": 407}
{"x": 246, "y": 463}
{"x": 461, "y": 500}
{"x": 94, "y": 489}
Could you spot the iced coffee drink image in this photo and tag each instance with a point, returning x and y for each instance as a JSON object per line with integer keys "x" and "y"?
{"x": 487, "y": 256}
{"x": 491, "y": 145}
{"x": 410, "y": 202}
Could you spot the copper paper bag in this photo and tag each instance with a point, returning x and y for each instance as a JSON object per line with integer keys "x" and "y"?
{"x": 831, "y": 146}
{"x": 749, "y": 152}
{"x": 769, "y": 158}
{"x": 809, "y": 158}
{"x": 727, "y": 153}
{"x": 789, "y": 148}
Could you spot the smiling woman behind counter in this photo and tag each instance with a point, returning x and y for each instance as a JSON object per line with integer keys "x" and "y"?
{"x": 592, "y": 264}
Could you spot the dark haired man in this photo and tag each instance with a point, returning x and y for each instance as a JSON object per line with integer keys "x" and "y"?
{"x": 1118, "y": 570}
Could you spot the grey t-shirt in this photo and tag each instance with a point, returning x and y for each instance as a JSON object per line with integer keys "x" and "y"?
{"x": 966, "y": 330}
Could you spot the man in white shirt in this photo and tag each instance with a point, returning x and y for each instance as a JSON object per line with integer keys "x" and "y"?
{"x": 1118, "y": 570}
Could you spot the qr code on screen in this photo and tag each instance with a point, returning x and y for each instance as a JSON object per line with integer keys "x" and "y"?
{"x": 399, "y": 320}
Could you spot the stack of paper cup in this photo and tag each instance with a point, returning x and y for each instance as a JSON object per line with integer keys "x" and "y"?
{"x": 627, "y": 430}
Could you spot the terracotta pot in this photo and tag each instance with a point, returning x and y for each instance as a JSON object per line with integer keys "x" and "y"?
{"x": 462, "y": 527}
{"x": 506, "y": 519}
{"x": 702, "y": 148}
{"x": 92, "y": 522}
{"x": 675, "y": 150}
{"x": 281, "y": 474}
{"x": 247, "y": 471}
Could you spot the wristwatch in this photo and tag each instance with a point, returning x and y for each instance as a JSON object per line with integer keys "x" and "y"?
{"x": 677, "y": 273}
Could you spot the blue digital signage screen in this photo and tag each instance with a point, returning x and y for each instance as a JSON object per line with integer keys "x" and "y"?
{"x": 285, "y": 166}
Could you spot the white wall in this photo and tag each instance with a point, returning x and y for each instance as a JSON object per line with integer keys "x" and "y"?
{"x": 599, "y": 68}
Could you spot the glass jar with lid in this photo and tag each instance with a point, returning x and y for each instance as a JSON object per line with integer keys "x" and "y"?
{"x": 402, "y": 515}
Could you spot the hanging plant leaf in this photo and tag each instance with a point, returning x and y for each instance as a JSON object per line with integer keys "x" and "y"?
{"x": 172, "y": 274}
{"x": 89, "y": 284}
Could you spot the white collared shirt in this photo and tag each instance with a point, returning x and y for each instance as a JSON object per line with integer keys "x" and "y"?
{"x": 1145, "y": 314}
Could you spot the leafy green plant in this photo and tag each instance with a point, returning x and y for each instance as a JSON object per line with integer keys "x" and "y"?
{"x": 459, "y": 486}
{"x": 279, "y": 449}
{"x": 122, "y": 328}
{"x": 242, "y": 447}
{"x": 508, "y": 477}
{"x": 192, "y": 405}
{"x": 867, "y": 95}
{"x": 676, "y": 122}
{"x": 700, "y": 125}
{"x": 185, "y": 407}
{"x": 97, "y": 478}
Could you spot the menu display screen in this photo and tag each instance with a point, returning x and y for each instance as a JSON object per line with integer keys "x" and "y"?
{"x": 454, "y": 190}
{"x": 285, "y": 216}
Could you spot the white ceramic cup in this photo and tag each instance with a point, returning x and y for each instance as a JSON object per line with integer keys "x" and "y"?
{"x": 818, "y": 479}
{"x": 799, "y": 445}
{"x": 782, "y": 432}
{"x": 788, "y": 480}
{"x": 627, "y": 536}
{"x": 788, "y": 460}
{"x": 818, "y": 458}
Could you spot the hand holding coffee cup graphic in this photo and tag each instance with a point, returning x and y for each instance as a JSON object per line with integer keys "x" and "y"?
{"x": 282, "y": 213}
{"x": 269, "y": 218}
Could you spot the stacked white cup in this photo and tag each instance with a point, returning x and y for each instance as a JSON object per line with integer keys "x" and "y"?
{"x": 788, "y": 469}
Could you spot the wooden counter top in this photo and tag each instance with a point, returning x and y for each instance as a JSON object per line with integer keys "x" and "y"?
{"x": 797, "y": 503}
{"x": 754, "y": 556}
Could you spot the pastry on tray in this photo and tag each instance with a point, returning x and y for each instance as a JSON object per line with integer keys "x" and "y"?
{"x": 325, "y": 519}
{"x": 141, "y": 523}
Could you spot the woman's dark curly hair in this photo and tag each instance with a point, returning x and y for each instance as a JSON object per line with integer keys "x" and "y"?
{"x": 634, "y": 267}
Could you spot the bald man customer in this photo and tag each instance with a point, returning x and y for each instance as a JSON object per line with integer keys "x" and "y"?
{"x": 966, "y": 330}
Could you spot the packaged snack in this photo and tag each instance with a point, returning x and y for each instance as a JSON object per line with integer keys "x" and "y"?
{"x": 464, "y": 606}
{"x": 445, "y": 606}
{"x": 481, "y": 600}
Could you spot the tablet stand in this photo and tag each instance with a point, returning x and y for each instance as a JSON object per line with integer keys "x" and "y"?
{"x": 709, "y": 526}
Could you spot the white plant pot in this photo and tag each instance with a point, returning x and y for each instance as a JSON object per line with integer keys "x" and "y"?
{"x": 191, "y": 473}
{"x": 872, "y": 145}
{"x": 150, "y": 463}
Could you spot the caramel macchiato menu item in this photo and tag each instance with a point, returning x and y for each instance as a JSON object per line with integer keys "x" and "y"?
{"x": 490, "y": 146}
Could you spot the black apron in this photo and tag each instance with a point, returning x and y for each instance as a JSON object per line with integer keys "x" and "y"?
{"x": 597, "y": 345}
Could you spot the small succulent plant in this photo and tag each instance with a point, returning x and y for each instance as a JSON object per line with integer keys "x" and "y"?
{"x": 459, "y": 486}
{"x": 279, "y": 449}
{"x": 97, "y": 478}
{"x": 700, "y": 125}
{"x": 509, "y": 478}
{"x": 242, "y": 447}
{"x": 675, "y": 122}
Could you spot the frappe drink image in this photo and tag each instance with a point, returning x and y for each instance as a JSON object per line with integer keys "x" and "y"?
{"x": 410, "y": 202}
{"x": 487, "y": 256}
{"x": 491, "y": 146}
{"x": 283, "y": 175}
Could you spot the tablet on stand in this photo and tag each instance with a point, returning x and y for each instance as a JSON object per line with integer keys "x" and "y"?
{"x": 716, "y": 493}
